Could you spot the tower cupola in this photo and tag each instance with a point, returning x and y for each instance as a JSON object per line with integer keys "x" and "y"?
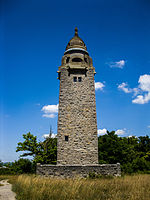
{"x": 76, "y": 44}
{"x": 76, "y": 56}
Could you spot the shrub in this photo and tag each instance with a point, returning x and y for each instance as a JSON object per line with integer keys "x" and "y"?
{"x": 23, "y": 166}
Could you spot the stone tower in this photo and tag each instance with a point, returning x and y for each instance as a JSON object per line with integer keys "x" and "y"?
{"x": 77, "y": 142}
{"x": 77, "y": 125}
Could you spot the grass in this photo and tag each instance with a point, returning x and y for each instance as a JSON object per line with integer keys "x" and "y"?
{"x": 135, "y": 187}
{"x": 11, "y": 178}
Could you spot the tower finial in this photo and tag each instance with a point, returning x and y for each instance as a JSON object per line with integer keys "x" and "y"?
{"x": 76, "y": 31}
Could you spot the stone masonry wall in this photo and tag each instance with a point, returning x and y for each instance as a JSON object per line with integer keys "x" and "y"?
{"x": 77, "y": 119}
{"x": 78, "y": 171}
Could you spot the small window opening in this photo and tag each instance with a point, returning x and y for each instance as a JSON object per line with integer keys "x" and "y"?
{"x": 79, "y": 79}
{"x": 76, "y": 60}
{"x": 66, "y": 138}
{"x": 85, "y": 59}
{"x": 74, "y": 79}
{"x": 67, "y": 60}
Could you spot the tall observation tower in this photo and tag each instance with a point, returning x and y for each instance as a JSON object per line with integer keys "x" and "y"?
{"x": 77, "y": 142}
{"x": 77, "y": 124}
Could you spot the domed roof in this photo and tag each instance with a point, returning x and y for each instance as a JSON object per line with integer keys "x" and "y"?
{"x": 76, "y": 42}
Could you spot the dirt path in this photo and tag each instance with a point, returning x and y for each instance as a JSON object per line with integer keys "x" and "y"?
{"x": 5, "y": 191}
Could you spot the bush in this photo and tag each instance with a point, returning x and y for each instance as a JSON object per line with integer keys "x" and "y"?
{"x": 6, "y": 171}
{"x": 23, "y": 166}
{"x": 140, "y": 164}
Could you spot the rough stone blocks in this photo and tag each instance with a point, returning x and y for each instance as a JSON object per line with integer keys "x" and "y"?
{"x": 77, "y": 119}
{"x": 78, "y": 171}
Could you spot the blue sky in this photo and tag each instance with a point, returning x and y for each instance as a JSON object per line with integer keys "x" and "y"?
{"x": 33, "y": 38}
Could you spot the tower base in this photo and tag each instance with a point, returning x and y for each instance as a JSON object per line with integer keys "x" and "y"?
{"x": 78, "y": 171}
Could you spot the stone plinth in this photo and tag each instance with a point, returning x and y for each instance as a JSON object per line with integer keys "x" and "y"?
{"x": 78, "y": 171}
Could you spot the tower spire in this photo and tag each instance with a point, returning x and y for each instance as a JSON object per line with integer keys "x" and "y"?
{"x": 76, "y": 31}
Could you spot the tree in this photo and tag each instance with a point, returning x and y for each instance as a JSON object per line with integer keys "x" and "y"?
{"x": 144, "y": 145}
{"x": 113, "y": 149}
{"x": 49, "y": 151}
{"x": 1, "y": 163}
{"x": 132, "y": 153}
{"x": 30, "y": 145}
{"x": 42, "y": 152}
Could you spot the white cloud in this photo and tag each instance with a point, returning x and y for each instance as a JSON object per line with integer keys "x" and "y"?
{"x": 49, "y": 115}
{"x": 120, "y": 131}
{"x": 101, "y": 131}
{"x": 52, "y": 136}
{"x": 144, "y": 87}
{"x": 119, "y": 64}
{"x": 136, "y": 91}
{"x": 130, "y": 136}
{"x": 144, "y": 82}
{"x": 141, "y": 94}
{"x": 99, "y": 86}
{"x": 50, "y": 110}
{"x": 142, "y": 99}
{"x": 148, "y": 126}
{"x": 124, "y": 87}
{"x": 104, "y": 131}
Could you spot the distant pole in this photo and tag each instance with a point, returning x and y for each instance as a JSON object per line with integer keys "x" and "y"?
{"x": 50, "y": 131}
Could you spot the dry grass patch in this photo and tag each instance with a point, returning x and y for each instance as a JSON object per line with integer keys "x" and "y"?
{"x": 11, "y": 178}
{"x": 124, "y": 188}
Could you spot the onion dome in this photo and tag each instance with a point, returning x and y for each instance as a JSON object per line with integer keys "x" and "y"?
{"x": 76, "y": 43}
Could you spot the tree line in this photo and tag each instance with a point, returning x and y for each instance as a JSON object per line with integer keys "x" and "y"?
{"x": 133, "y": 153}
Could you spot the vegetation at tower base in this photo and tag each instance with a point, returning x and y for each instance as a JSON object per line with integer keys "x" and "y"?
{"x": 131, "y": 152}
{"x": 20, "y": 166}
{"x": 42, "y": 152}
{"x": 134, "y": 187}
{"x": 1, "y": 164}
